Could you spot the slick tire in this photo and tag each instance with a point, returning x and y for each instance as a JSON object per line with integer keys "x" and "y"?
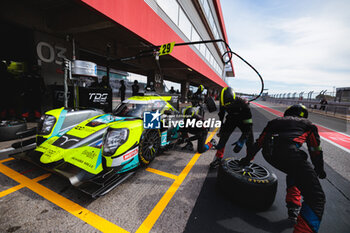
{"x": 252, "y": 186}
{"x": 149, "y": 146}
{"x": 8, "y": 129}
{"x": 201, "y": 142}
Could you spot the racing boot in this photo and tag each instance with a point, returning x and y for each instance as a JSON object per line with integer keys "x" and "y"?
{"x": 293, "y": 213}
{"x": 218, "y": 158}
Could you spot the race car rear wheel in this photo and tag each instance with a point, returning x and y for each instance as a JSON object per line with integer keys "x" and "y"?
{"x": 149, "y": 146}
{"x": 253, "y": 186}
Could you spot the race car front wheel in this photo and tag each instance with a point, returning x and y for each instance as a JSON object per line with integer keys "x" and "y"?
{"x": 253, "y": 186}
{"x": 149, "y": 146}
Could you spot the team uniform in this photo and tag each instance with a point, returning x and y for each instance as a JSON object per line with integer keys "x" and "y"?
{"x": 238, "y": 115}
{"x": 281, "y": 141}
{"x": 198, "y": 133}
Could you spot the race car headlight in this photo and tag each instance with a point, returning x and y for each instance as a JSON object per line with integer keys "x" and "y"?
{"x": 46, "y": 124}
{"x": 113, "y": 139}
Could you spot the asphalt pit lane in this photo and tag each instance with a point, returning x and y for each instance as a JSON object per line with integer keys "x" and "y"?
{"x": 44, "y": 211}
{"x": 13, "y": 229}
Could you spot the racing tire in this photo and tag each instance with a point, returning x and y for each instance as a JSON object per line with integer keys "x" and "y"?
{"x": 252, "y": 186}
{"x": 201, "y": 111}
{"x": 201, "y": 142}
{"x": 210, "y": 103}
{"x": 8, "y": 129}
{"x": 149, "y": 146}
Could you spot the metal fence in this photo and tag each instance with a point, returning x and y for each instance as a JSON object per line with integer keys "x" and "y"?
{"x": 312, "y": 100}
{"x": 311, "y": 95}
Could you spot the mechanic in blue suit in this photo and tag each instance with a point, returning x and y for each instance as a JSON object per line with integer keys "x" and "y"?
{"x": 281, "y": 141}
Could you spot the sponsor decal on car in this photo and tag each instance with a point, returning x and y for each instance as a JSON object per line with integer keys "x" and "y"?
{"x": 131, "y": 154}
{"x": 164, "y": 138}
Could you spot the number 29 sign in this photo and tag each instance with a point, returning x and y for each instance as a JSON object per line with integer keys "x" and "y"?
{"x": 166, "y": 48}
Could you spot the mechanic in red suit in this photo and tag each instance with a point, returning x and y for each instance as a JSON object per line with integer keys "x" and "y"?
{"x": 281, "y": 141}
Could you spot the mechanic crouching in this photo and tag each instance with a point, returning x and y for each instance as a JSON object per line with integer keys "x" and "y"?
{"x": 198, "y": 133}
{"x": 281, "y": 141}
{"x": 238, "y": 115}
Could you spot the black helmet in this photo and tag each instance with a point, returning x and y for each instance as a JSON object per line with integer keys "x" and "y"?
{"x": 297, "y": 110}
{"x": 227, "y": 96}
{"x": 200, "y": 89}
{"x": 189, "y": 111}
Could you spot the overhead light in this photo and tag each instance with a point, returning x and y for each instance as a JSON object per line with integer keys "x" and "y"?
{"x": 189, "y": 69}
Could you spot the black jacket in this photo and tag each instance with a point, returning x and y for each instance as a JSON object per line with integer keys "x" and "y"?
{"x": 238, "y": 111}
{"x": 284, "y": 136}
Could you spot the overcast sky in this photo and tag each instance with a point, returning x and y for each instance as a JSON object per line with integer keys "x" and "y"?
{"x": 296, "y": 45}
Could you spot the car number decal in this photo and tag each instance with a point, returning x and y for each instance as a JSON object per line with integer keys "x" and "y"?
{"x": 166, "y": 48}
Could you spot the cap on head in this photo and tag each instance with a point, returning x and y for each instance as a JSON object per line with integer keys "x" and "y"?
{"x": 297, "y": 110}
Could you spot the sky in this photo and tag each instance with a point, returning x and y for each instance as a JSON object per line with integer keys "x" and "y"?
{"x": 296, "y": 45}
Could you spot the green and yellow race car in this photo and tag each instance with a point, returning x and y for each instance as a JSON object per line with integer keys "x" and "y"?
{"x": 97, "y": 151}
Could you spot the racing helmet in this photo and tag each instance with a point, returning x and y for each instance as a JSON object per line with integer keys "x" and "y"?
{"x": 227, "y": 96}
{"x": 297, "y": 110}
{"x": 189, "y": 111}
{"x": 200, "y": 88}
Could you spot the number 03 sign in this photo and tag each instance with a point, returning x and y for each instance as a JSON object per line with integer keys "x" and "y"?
{"x": 166, "y": 48}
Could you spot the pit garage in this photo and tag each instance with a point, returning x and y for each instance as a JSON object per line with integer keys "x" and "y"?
{"x": 39, "y": 35}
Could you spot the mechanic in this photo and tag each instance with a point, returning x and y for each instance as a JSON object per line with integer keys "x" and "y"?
{"x": 105, "y": 83}
{"x": 172, "y": 90}
{"x": 122, "y": 90}
{"x": 135, "y": 88}
{"x": 199, "y": 134}
{"x": 196, "y": 99}
{"x": 281, "y": 141}
{"x": 238, "y": 115}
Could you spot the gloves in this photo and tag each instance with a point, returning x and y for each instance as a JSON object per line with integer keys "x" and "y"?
{"x": 321, "y": 174}
{"x": 238, "y": 145}
{"x": 244, "y": 162}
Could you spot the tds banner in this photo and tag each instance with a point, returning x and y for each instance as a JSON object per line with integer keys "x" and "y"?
{"x": 88, "y": 97}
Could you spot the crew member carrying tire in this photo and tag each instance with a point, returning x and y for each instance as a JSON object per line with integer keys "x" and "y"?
{"x": 238, "y": 115}
{"x": 199, "y": 134}
{"x": 281, "y": 141}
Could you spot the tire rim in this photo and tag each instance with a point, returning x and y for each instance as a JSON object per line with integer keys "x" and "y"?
{"x": 150, "y": 145}
{"x": 252, "y": 170}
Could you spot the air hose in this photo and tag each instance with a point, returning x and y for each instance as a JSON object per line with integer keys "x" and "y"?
{"x": 228, "y": 53}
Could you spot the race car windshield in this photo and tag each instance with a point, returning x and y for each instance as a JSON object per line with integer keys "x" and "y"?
{"x": 132, "y": 110}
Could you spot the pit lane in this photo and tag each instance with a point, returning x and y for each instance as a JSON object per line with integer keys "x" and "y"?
{"x": 157, "y": 198}
{"x": 214, "y": 212}
{"x": 168, "y": 196}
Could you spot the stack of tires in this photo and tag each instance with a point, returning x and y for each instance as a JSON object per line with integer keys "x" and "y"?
{"x": 252, "y": 186}
{"x": 9, "y": 128}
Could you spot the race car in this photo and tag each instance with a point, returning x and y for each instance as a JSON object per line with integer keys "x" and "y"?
{"x": 97, "y": 151}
